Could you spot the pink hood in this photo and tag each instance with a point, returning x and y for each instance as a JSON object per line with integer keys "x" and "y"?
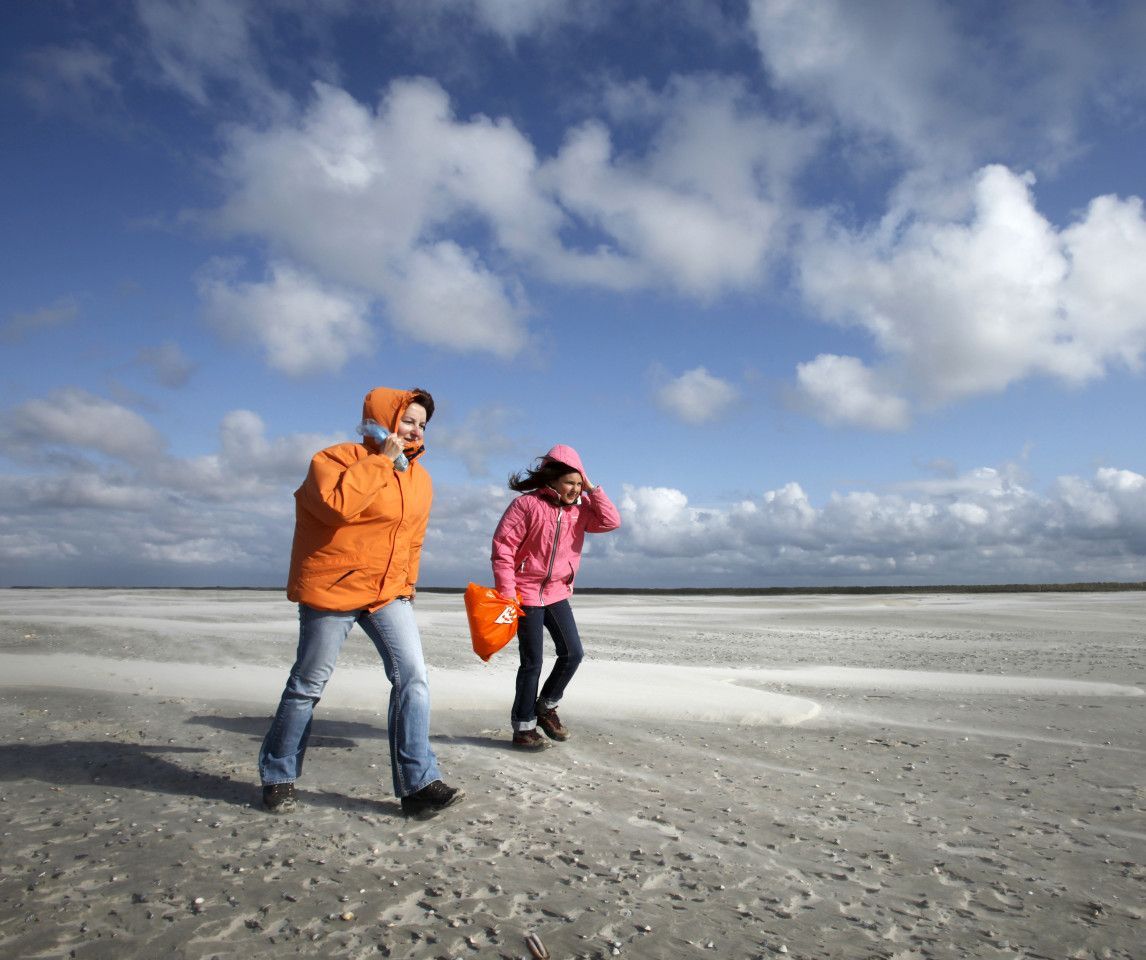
{"x": 568, "y": 456}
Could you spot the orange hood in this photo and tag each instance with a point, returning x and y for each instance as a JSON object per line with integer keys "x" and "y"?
{"x": 385, "y": 406}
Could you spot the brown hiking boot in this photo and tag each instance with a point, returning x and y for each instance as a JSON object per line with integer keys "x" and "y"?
{"x": 430, "y": 799}
{"x": 279, "y": 798}
{"x": 529, "y": 740}
{"x": 548, "y": 720}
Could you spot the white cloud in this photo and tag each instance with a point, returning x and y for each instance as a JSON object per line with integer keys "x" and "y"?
{"x": 367, "y": 199}
{"x": 696, "y": 396}
{"x": 700, "y": 209}
{"x": 303, "y": 325}
{"x": 227, "y": 517}
{"x": 659, "y": 523}
{"x": 146, "y": 516}
{"x": 197, "y": 44}
{"x": 995, "y": 530}
{"x": 446, "y": 298}
{"x": 248, "y": 466}
{"x": 841, "y": 390}
{"x": 924, "y": 80}
{"x": 78, "y": 420}
{"x": 354, "y": 196}
{"x": 513, "y": 19}
{"x": 35, "y": 545}
{"x": 883, "y": 68}
{"x": 969, "y": 306}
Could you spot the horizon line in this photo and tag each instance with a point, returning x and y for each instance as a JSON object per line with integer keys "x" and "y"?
{"x": 1105, "y": 586}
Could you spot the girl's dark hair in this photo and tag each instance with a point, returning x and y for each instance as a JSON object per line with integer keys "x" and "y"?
{"x": 423, "y": 397}
{"x": 542, "y": 474}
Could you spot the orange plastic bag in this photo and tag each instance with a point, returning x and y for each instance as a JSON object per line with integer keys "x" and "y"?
{"x": 493, "y": 619}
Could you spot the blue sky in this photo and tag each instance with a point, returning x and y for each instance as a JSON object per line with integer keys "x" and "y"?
{"x": 823, "y": 292}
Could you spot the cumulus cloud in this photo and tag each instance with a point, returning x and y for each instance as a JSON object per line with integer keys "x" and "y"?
{"x": 142, "y": 515}
{"x": 197, "y": 45}
{"x": 696, "y": 396}
{"x": 248, "y": 467}
{"x": 700, "y": 209}
{"x": 353, "y": 195}
{"x": 994, "y": 529}
{"x": 76, "y": 419}
{"x": 920, "y": 79}
{"x": 858, "y": 62}
{"x": 513, "y": 19}
{"x": 226, "y": 517}
{"x": 842, "y": 391}
{"x": 303, "y": 325}
{"x": 968, "y": 306}
{"x": 367, "y": 199}
{"x": 445, "y": 297}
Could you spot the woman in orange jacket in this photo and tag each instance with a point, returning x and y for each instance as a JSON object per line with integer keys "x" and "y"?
{"x": 360, "y": 519}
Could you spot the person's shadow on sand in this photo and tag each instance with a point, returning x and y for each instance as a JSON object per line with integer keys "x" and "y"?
{"x": 338, "y": 734}
{"x": 324, "y": 733}
{"x": 141, "y": 766}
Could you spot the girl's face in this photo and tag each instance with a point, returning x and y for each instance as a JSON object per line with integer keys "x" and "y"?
{"x": 412, "y": 426}
{"x": 568, "y": 487}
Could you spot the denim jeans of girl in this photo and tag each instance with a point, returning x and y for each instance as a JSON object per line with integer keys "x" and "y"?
{"x": 557, "y": 618}
{"x": 394, "y": 632}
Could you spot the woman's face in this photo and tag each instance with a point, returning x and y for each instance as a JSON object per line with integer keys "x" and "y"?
{"x": 568, "y": 487}
{"x": 412, "y": 425}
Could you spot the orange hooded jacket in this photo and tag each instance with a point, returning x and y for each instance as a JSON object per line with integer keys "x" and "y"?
{"x": 359, "y": 523}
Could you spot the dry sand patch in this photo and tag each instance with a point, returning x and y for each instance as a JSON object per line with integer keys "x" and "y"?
{"x": 916, "y": 813}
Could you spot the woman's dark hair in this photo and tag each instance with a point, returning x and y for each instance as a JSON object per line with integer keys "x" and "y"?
{"x": 423, "y": 397}
{"x": 543, "y": 473}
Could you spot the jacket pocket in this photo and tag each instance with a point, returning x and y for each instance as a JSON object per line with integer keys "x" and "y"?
{"x": 338, "y": 589}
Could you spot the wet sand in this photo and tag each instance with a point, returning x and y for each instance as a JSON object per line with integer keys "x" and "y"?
{"x": 889, "y": 776}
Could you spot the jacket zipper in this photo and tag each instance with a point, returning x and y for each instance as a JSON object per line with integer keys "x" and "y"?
{"x": 394, "y": 540}
{"x": 552, "y": 558}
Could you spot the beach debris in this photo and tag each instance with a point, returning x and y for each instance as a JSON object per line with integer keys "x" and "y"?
{"x": 347, "y": 915}
{"x": 536, "y": 948}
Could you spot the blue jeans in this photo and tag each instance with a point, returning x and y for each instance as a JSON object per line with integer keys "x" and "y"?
{"x": 557, "y": 618}
{"x": 320, "y": 637}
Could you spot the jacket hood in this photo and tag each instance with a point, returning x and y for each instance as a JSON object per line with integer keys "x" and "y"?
{"x": 385, "y": 405}
{"x": 568, "y": 456}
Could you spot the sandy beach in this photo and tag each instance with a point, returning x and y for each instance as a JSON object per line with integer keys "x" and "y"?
{"x": 891, "y": 776}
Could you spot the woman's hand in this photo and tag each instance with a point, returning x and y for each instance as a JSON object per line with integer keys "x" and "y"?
{"x": 392, "y": 446}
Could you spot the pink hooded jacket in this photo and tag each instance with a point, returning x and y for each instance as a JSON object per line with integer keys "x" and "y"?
{"x": 537, "y": 544}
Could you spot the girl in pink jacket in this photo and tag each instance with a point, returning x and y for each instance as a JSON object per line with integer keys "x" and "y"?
{"x": 536, "y": 552}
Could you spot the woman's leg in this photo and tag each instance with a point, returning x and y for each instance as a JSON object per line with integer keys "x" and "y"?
{"x": 531, "y": 647}
{"x": 563, "y": 629}
{"x": 395, "y": 633}
{"x": 320, "y": 637}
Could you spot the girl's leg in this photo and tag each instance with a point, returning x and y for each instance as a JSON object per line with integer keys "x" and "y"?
{"x": 563, "y": 629}
{"x": 395, "y": 633}
{"x": 320, "y": 637}
{"x": 531, "y": 647}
